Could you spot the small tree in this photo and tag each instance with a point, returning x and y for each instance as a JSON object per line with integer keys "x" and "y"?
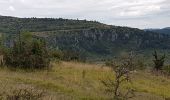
{"x": 32, "y": 54}
{"x": 158, "y": 61}
{"x": 122, "y": 75}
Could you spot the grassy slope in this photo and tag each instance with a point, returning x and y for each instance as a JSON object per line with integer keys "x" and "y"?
{"x": 65, "y": 82}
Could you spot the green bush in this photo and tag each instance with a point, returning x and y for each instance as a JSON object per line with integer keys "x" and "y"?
{"x": 28, "y": 53}
{"x": 140, "y": 65}
{"x": 167, "y": 69}
{"x": 56, "y": 54}
{"x": 109, "y": 63}
{"x": 158, "y": 61}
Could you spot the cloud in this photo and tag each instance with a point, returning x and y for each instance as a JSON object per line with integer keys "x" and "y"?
{"x": 11, "y": 8}
{"x": 22, "y": 1}
{"x": 107, "y": 11}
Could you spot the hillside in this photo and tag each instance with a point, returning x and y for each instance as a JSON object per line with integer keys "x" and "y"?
{"x": 164, "y": 30}
{"x": 12, "y": 24}
{"x": 65, "y": 82}
{"x": 90, "y": 38}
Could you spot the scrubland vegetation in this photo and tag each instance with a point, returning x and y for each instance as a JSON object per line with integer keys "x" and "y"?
{"x": 53, "y": 63}
{"x": 78, "y": 81}
{"x": 33, "y": 72}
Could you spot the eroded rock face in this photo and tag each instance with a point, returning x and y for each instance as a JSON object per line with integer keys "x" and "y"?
{"x": 81, "y": 35}
{"x": 106, "y": 40}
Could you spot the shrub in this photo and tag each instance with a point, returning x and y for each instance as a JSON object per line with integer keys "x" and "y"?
{"x": 140, "y": 65}
{"x": 71, "y": 55}
{"x": 122, "y": 73}
{"x": 158, "y": 61}
{"x": 109, "y": 63}
{"x": 28, "y": 53}
{"x": 167, "y": 69}
{"x": 56, "y": 54}
{"x": 22, "y": 94}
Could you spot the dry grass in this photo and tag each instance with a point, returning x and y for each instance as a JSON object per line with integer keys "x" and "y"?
{"x": 77, "y": 81}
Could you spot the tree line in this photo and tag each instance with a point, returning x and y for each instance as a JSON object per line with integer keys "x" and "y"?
{"x": 28, "y": 52}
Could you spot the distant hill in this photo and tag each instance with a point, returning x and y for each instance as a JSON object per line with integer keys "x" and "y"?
{"x": 88, "y": 37}
{"x": 10, "y": 24}
{"x": 164, "y": 30}
{"x": 167, "y": 28}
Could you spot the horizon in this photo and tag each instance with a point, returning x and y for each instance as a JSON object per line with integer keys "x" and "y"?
{"x": 142, "y": 14}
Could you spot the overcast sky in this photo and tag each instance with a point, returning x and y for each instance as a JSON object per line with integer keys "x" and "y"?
{"x": 133, "y": 13}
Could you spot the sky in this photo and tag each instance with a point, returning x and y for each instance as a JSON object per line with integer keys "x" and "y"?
{"x": 133, "y": 13}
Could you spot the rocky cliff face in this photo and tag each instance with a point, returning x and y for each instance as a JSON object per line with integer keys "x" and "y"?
{"x": 85, "y": 36}
{"x": 106, "y": 40}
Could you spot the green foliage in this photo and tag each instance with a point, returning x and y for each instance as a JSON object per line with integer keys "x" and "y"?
{"x": 140, "y": 65}
{"x": 122, "y": 73}
{"x": 93, "y": 38}
{"x": 67, "y": 55}
{"x": 167, "y": 69}
{"x": 8, "y": 24}
{"x": 56, "y": 54}
{"x": 158, "y": 61}
{"x": 28, "y": 53}
{"x": 70, "y": 55}
{"x": 109, "y": 62}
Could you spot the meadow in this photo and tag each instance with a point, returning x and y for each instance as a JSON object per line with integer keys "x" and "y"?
{"x": 80, "y": 81}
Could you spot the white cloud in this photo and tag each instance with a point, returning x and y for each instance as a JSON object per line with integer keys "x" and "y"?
{"x": 140, "y": 10}
{"x": 102, "y": 10}
{"x": 11, "y": 8}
